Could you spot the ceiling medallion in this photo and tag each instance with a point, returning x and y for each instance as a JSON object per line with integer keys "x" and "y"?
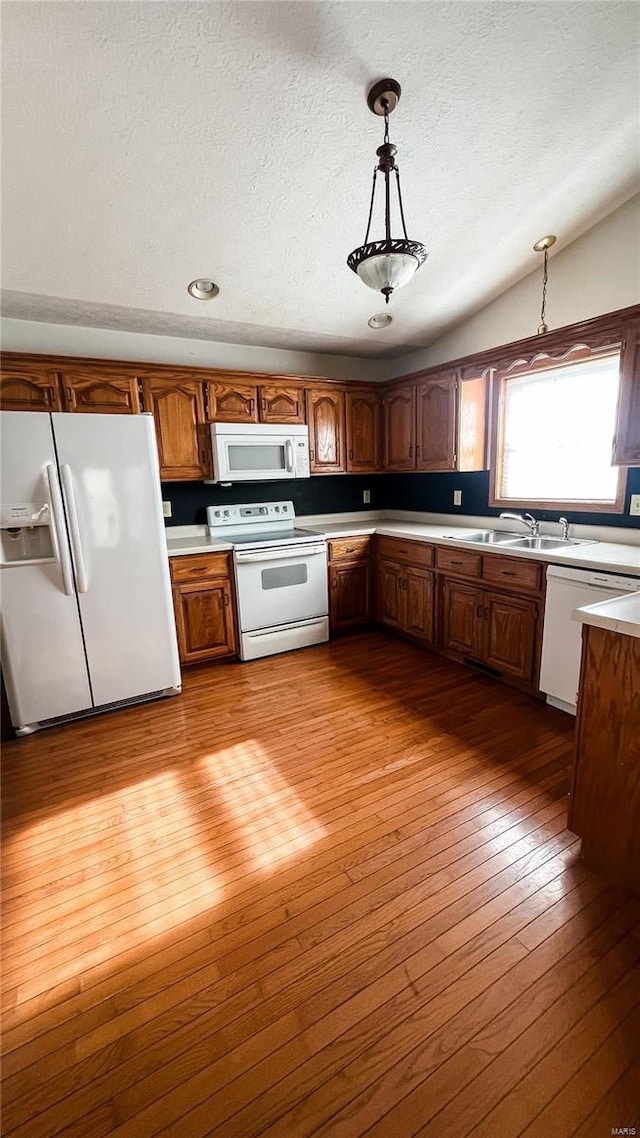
{"x": 391, "y": 262}
{"x": 543, "y": 246}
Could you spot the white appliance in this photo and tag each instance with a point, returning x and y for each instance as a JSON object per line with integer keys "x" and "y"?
{"x": 87, "y": 617}
{"x": 259, "y": 452}
{"x": 281, "y": 577}
{"x": 569, "y": 589}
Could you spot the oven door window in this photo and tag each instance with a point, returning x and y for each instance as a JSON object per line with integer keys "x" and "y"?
{"x": 256, "y": 456}
{"x": 283, "y": 576}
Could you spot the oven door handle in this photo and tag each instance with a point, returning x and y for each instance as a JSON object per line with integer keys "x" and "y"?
{"x": 298, "y": 551}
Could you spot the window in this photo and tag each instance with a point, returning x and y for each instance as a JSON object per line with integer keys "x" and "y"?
{"x": 555, "y": 427}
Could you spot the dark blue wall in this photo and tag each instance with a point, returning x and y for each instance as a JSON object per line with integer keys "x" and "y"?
{"x": 343, "y": 492}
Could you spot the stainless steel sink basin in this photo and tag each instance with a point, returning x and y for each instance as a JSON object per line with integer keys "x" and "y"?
{"x": 487, "y": 537}
{"x": 546, "y": 543}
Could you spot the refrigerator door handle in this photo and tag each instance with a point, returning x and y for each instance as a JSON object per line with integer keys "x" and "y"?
{"x": 58, "y": 527}
{"x": 74, "y": 529}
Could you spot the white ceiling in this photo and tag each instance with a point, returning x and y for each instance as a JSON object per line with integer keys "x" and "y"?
{"x": 146, "y": 144}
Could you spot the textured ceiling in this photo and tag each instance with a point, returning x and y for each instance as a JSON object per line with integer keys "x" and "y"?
{"x": 146, "y": 144}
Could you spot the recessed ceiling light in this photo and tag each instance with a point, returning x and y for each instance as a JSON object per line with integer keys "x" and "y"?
{"x": 203, "y": 289}
{"x": 380, "y": 320}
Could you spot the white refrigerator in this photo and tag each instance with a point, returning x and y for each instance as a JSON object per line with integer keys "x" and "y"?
{"x": 87, "y": 615}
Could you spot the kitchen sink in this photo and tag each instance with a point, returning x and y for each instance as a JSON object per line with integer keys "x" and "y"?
{"x": 518, "y": 541}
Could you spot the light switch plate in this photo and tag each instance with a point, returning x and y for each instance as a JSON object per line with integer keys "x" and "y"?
{"x": 634, "y": 505}
{"x": 166, "y": 509}
{"x": 366, "y": 497}
{"x": 457, "y": 497}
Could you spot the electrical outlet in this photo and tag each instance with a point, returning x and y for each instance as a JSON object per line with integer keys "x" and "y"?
{"x": 634, "y": 505}
{"x": 457, "y": 497}
{"x": 166, "y": 509}
{"x": 366, "y": 497}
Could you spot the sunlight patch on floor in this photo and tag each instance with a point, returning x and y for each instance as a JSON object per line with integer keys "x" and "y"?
{"x": 144, "y": 870}
{"x": 275, "y": 822}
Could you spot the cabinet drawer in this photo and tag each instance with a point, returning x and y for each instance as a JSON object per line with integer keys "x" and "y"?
{"x": 459, "y": 561}
{"x": 200, "y": 566}
{"x": 350, "y": 548}
{"x": 512, "y": 571}
{"x": 411, "y": 552}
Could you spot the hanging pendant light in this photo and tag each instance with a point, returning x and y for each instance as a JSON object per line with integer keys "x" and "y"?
{"x": 390, "y": 263}
{"x": 543, "y": 246}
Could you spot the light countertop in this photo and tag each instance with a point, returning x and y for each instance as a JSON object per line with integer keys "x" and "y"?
{"x": 604, "y": 555}
{"x": 620, "y": 614}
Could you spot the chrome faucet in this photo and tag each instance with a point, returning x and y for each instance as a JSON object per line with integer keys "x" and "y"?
{"x": 564, "y": 522}
{"x": 527, "y": 520}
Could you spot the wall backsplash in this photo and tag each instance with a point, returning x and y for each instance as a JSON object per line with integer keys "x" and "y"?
{"x": 341, "y": 493}
{"x": 326, "y": 494}
{"x": 435, "y": 492}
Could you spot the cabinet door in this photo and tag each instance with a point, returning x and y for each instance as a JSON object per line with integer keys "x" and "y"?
{"x": 29, "y": 388}
{"x": 178, "y": 409}
{"x": 204, "y": 620}
{"x": 436, "y": 421}
{"x": 391, "y": 600}
{"x": 280, "y": 404}
{"x": 419, "y": 609}
{"x": 349, "y": 595}
{"x": 509, "y": 634}
{"x": 363, "y": 431}
{"x": 101, "y": 392}
{"x": 461, "y": 614}
{"x": 626, "y": 443}
{"x": 399, "y": 429}
{"x": 232, "y": 402}
{"x": 325, "y": 416}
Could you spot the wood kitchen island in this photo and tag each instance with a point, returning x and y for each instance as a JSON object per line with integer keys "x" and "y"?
{"x": 605, "y": 797}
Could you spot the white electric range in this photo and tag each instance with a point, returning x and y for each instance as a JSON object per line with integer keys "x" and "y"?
{"x": 281, "y": 577}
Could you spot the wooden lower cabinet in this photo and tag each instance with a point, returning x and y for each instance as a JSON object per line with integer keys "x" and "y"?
{"x": 350, "y": 583}
{"x": 203, "y": 600}
{"x": 406, "y": 599}
{"x": 494, "y": 629}
{"x": 604, "y": 807}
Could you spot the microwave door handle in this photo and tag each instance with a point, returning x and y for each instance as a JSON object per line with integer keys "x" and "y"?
{"x": 289, "y": 453}
{"x": 280, "y": 554}
{"x": 74, "y": 529}
{"x": 58, "y": 527}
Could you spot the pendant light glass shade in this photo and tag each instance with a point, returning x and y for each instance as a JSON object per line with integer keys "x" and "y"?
{"x": 387, "y": 270}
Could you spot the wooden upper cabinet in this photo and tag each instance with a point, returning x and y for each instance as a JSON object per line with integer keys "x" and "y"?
{"x": 325, "y": 416}
{"x": 280, "y": 404}
{"x": 363, "y": 410}
{"x": 626, "y": 444}
{"x": 399, "y": 429}
{"x": 436, "y": 422}
{"x": 101, "y": 392}
{"x": 177, "y": 404}
{"x": 230, "y": 402}
{"x": 29, "y": 387}
{"x": 473, "y": 402}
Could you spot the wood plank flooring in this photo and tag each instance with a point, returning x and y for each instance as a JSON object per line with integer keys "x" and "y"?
{"x": 328, "y": 893}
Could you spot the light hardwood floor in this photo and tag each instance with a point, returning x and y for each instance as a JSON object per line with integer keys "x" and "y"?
{"x": 329, "y": 893}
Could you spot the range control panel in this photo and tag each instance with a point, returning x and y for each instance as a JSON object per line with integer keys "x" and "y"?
{"x": 250, "y": 514}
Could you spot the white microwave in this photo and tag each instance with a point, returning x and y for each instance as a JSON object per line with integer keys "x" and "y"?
{"x": 259, "y": 452}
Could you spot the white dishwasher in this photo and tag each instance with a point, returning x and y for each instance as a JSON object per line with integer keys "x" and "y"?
{"x": 567, "y": 590}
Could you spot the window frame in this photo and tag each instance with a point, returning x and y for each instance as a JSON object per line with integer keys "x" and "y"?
{"x": 544, "y": 361}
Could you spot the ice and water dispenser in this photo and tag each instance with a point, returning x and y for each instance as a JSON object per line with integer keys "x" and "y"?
{"x": 25, "y": 533}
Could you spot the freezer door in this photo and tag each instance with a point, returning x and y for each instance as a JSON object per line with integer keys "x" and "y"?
{"x": 109, "y": 474}
{"x": 43, "y": 655}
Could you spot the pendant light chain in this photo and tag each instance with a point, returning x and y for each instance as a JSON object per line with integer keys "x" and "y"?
{"x": 404, "y": 226}
{"x": 545, "y": 278}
